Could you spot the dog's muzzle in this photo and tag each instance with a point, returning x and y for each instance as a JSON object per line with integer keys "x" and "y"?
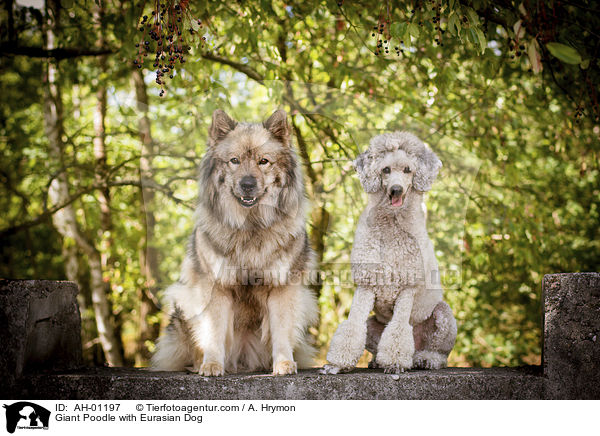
{"x": 248, "y": 188}
{"x": 396, "y": 195}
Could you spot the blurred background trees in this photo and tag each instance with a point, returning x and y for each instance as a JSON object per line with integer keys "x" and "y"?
{"x": 99, "y": 172}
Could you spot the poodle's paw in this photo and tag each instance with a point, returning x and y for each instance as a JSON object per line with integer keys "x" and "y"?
{"x": 396, "y": 350}
{"x": 394, "y": 362}
{"x": 210, "y": 369}
{"x": 285, "y": 367}
{"x": 334, "y": 369}
{"x": 394, "y": 369}
{"x": 429, "y": 360}
{"x": 347, "y": 345}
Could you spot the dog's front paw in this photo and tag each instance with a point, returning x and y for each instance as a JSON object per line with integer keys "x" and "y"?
{"x": 285, "y": 367}
{"x": 211, "y": 369}
{"x": 394, "y": 369}
{"x": 334, "y": 369}
{"x": 394, "y": 361}
{"x": 429, "y": 360}
{"x": 395, "y": 352}
{"x": 347, "y": 345}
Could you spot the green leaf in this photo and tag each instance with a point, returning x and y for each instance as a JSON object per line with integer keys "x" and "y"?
{"x": 585, "y": 64}
{"x": 473, "y": 17}
{"x": 453, "y": 24}
{"x": 414, "y": 30}
{"x": 519, "y": 29}
{"x": 194, "y": 24}
{"x": 481, "y": 39}
{"x": 398, "y": 29}
{"x": 534, "y": 56}
{"x": 565, "y": 53}
{"x": 472, "y": 36}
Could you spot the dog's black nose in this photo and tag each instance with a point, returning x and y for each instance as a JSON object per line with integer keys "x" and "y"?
{"x": 396, "y": 190}
{"x": 248, "y": 184}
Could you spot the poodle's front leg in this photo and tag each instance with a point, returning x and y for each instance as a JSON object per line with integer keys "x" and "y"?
{"x": 348, "y": 342}
{"x": 397, "y": 346}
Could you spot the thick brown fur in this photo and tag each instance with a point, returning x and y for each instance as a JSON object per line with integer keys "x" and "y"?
{"x": 242, "y": 303}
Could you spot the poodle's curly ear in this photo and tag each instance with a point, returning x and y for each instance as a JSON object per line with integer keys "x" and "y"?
{"x": 427, "y": 169}
{"x": 370, "y": 179}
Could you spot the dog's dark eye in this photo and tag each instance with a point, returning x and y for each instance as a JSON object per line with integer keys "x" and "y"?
{"x": 263, "y": 161}
{"x": 407, "y": 170}
{"x": 235, "y": 161}
{"x": 386, "y": 170}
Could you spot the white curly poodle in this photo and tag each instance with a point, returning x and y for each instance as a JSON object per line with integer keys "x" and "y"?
{"x": 394, "y": 266}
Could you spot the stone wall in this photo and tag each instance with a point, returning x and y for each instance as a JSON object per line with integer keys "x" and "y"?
{"x": 40, "y": 332}
{"x": 40, "y": 327}
{"x": 571, "y": 354}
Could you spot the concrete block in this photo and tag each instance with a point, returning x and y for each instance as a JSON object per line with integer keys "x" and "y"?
{"x": 40, "y": 327}
{"x": 571, "y": 353}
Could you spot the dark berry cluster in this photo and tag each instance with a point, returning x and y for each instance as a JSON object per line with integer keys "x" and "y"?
{"x": 515, "y": 47}
{"x": 415, "y": 15}
{"x": 436, "y": 21}
{"x": 165, "y": 34}
{"x": 382, "y": 38}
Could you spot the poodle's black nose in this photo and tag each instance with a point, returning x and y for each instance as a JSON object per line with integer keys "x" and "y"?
{"x": 248, "y": 184}
{"x": 396, "y": 190}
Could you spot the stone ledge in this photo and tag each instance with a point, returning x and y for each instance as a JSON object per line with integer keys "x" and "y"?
{"x": 362, "y": 384}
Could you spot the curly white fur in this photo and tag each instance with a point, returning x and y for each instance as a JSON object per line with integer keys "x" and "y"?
{"x": 394, "y": 265}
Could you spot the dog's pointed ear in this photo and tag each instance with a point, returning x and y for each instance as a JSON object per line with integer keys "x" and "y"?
{"x": 278, "y": 126}
{"x": 221, "y": 125}
{"x": 427, "y": 169}
{"x": 369, "y": 179}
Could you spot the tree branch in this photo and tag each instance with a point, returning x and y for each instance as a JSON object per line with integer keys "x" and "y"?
{"x": 248, "y": 71}
{"x": 304, "y": 154}
{"x": 7, "y": 231}
{"x": 56, "y": 53}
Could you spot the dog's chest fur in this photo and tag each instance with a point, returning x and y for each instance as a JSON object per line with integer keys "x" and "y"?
{"x": 248, "y": 266}
{"x": 256, "y": 249}
{"x": 249, "y": 305}
{"x": 400, "y": 262}
{"x": 400, "y": 254}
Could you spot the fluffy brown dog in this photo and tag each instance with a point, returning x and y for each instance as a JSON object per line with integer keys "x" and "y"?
{"x": 241, "y": 303}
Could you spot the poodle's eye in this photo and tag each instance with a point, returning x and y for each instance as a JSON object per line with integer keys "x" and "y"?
{"x": 263, "y": 161}
{"x": 234, "y": 160}
{"x": 407, "y": 170}
{"x": 386, "y": 170}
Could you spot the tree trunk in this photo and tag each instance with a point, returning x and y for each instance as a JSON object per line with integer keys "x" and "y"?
{"x": 319, "y": 214}
{"x": 102, "y": 171}
{"x": 148, "y": 253}
{"x": 65, "y": 219}
{"x": 101, "y": 167}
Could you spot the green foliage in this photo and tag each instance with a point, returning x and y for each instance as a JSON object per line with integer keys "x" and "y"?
{"x": 517, "y": 198}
